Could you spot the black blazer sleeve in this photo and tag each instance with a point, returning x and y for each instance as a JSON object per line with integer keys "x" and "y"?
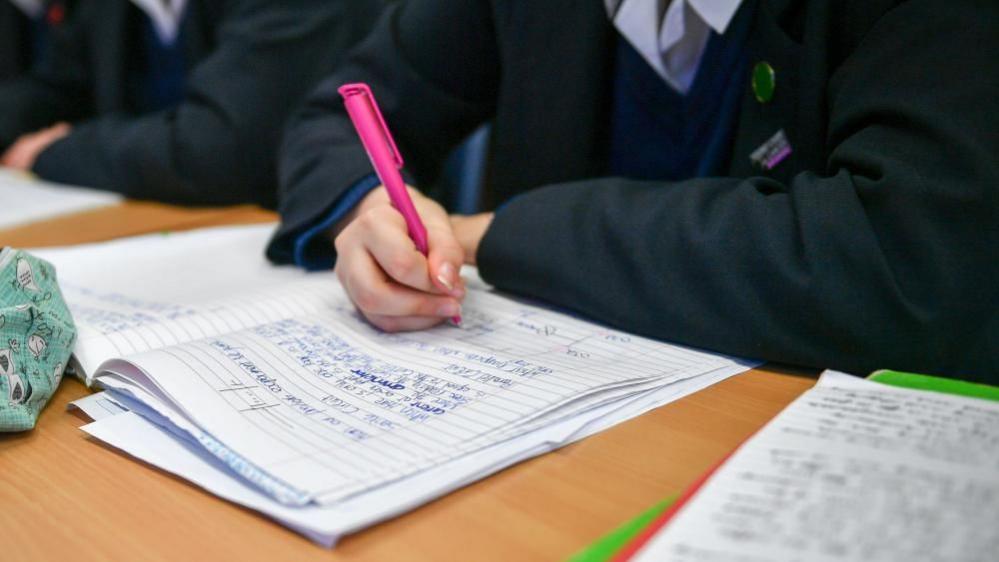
{"x": 886, "y": 258}
{"x": 218, "y": 146}
{"x": 11, "y": 41}
{"x": 430, "y": 96}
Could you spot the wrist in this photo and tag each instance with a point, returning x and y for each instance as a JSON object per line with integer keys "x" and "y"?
{"x": 469, "y": 230}
{"x": 373, "y": 198}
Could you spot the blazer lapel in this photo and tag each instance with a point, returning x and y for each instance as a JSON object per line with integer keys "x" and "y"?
{"x": 198, "y": 29}
{"x": 762, "y": 121}
{"x": 108, "y": 38}
{"x": 558, "y": 90}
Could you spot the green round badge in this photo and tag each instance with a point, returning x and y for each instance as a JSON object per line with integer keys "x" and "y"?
{"x": 764, "y": 81}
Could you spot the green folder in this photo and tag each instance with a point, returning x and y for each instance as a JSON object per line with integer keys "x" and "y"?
{"x": 607, "y": 546}
{"x": 936, "y": 384}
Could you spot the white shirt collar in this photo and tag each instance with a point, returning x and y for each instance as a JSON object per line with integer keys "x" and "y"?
{"x": 672, "y": 39}
{"x": 716, "y": 13}
{"x": 166, "y": 16}
{"x": 31, "y": 8}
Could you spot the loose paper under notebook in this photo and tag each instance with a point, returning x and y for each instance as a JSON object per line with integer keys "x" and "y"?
{"x": 852, "y": 470}
{"x": 24, "y": 199}
{"x": 272, "y": 372}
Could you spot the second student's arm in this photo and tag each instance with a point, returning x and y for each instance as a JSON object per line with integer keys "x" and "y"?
{"x": 217, "y": 145}
{"x": 55, "y": 89}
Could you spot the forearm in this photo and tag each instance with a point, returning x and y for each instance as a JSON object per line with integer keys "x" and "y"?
{"x": 881, "y": 255}
{"x": 806, "y": 276}
{"x": 151, "y": 157}
{"x": 469, "y": 231}
{"x": 29, "y": 105}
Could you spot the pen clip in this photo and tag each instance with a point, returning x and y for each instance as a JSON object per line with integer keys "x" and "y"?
{"x": 361, "y": 89}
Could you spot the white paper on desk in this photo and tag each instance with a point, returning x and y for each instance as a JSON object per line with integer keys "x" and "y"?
{"x": 325, "y": 525}
{"x": 851, "y": 470}
{"x": 24, "y": 199}
{"x": 98, "y": 406}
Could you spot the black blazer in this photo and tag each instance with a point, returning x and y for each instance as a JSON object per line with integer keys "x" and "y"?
{"x": 250, "y": 63}
{"x": 15, "y": 36}
{"x": 13, "y": 54}
{"x": 873, "y": 245}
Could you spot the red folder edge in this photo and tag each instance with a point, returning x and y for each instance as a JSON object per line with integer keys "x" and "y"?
{"x": 629, "y": 550}
{"x": 658, "y": 523}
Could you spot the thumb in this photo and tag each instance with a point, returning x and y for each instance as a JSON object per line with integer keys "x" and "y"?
{"x": 60, "y": 129}
{"x": 444, "y": 259}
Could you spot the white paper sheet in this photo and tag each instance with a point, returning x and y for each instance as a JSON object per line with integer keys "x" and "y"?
{"x": 24, "y": 199}
{"x": 325, "y": 525}
{"x": 852, "y": 470}
{"x": 97, "y": 406}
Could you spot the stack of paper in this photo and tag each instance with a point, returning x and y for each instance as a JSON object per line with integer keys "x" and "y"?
{"x": 852, "y": 470}
{"x": 24, "y": 199}
{"x": 263, "y": 385}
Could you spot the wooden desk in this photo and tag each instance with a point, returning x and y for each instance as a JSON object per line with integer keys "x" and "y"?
{"x": 128, "y": 219}
{"x": 67, "y": 497}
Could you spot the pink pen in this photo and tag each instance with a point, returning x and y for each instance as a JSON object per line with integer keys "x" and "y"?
{"x": 385, "y": 158}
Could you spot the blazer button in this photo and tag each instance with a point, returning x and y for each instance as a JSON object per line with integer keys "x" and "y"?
{"x": 764, "y": 81}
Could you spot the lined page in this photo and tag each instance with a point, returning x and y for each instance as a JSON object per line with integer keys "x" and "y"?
{"x": 113, "y": 324}
{"x": 852, "y": 470}
{"x": 323, "y": 524}
{"x": 332, "y": 407}
{"x": 149, "y": 292}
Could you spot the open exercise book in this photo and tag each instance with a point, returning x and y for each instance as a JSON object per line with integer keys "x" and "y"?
{"x": 263, "y": 385}
{"x": 24, "y": 199}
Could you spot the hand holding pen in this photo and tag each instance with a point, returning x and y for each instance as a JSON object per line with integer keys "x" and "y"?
{"x": 398, "y": 257}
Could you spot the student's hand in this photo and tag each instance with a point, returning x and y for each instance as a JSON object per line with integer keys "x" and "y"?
{"x": 392, "y": 284}
{"x": 22, "y": 154}
{"x": 469, "y": 230}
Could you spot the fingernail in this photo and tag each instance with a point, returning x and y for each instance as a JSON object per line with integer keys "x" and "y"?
{"x": 449, "y": 309}
{"x": 446, "y": 276}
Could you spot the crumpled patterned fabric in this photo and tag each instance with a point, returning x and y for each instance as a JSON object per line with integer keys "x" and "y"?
{"x": 36, "y": 338}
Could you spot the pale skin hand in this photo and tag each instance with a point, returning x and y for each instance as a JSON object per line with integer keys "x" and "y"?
{"x": 392, "y": 284}
{"x": 469, "y": 230}
{"x": 22, "y": 154}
